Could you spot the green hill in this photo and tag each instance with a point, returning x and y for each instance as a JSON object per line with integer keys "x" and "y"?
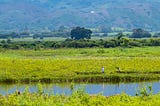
{"x": 40, "y": 14}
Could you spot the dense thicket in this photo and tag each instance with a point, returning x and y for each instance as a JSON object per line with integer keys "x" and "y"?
{"x": 69, "y": 43}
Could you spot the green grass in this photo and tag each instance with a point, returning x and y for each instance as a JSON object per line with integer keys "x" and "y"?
{"x": 84, "y": 52}
{"x": 61, "y": 65}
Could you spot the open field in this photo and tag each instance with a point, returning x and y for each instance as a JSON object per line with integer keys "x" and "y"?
{"x": 51, "y": 39}
{"x": 82, "y": 53}
{"x": 61, "y": 65}
{"x": 31, "y": 39}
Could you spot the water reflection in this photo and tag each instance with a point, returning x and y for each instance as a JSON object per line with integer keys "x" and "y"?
{"x": 106, "y": 89}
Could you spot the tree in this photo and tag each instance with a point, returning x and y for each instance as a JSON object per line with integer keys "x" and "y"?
{"x": 14, "y": 35}
{"x": 119, "y": 39}
{"x": 156, "y": 35}
{"x": 105, "y": 29}
{"x": 80, "y": 33}
{"x": 35, "y": 36}
{"x": 140, "y": 33}
{"x": 120, "y": 35}
{"x": 41, "y": 37}
{"x": 8, "y": 40}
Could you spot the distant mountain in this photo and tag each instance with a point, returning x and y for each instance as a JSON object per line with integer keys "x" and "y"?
{"x": 40, "y": 14}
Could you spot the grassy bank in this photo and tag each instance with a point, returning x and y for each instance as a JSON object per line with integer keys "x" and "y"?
{"x": 63, "y": 65}
{"x": 78, "y": 98}
{"x": 83, "y": 52}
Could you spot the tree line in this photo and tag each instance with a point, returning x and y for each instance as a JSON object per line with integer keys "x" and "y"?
{"x": 80, "y": 38}
{"x": 119, "y": 41}
{"x": 77, "y": 33}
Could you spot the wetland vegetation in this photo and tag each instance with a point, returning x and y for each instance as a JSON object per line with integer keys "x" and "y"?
{"x": 78, "y": 65}
{"x": 79, "y": 98}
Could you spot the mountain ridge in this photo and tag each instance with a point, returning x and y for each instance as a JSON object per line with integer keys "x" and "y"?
{"x": 40, "y": 14}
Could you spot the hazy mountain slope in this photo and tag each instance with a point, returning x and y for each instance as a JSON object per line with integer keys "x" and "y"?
{"x": 37, "y": 14}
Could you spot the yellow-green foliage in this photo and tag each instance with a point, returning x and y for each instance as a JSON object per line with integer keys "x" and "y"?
{"x": 69, "y": 62}
{"x": 19, "y": 68}
{"x": 78, "y": 98}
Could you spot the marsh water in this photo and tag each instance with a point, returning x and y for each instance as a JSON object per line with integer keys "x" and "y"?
{"x": 107, "y": 89}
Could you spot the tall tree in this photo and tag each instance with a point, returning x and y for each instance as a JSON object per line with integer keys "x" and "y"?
{"x": 80, "y": 33}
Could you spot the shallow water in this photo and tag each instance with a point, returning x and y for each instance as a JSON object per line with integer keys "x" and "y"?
{"x": 107, "y": 89}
